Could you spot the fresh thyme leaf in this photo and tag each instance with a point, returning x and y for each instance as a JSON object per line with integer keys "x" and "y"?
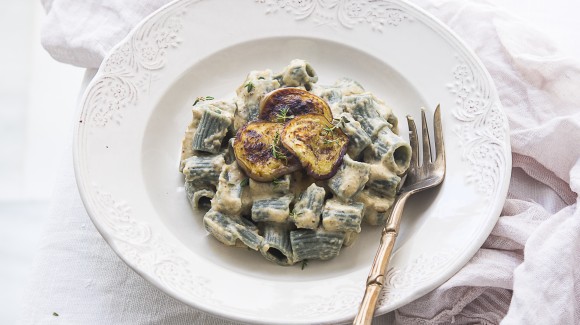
{"x": 327, "y": 141}
{"x": 202, "y": 99}
{"x": 245, "y": 182}
{"x": 261, "y": 78}
{"x": 326, "y": 130}
{"x": 282, "y": 116}
{"x": 55, "y": 314}
{"x": 304, "y": 264}
{"x": 277, "y": 181}
{"x": 294, "y": 214}
{"x": 276, "y": 153}
{"x": 249, "y": 86}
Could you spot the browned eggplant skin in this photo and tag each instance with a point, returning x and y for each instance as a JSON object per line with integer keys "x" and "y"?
{"x": 308, "y": 129}
{"x": 253, "y": 151}
{"x": 296, "y": 101}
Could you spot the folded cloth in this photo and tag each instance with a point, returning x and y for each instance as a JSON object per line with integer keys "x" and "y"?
{"x": 525, "y": 273}
{"x": 81, "y": 33}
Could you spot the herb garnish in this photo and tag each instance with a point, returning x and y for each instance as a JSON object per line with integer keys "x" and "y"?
{"x": 326, "y": 130}
{"x": 277, "y": 181}
{"x": 282, "y": 115}
{"x": 276, "y": 153}
{"x": 55, "y": 314}
{"x": 245, "y": 182}
{"x": 202, "y": 99}
{"x": 304, "y": 264}
{"x": 294, "y": 214}
{"x": 249, "y": 86}
{"x": 327, "y": 141}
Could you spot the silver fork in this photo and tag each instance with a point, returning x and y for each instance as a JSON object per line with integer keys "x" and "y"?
{"x": 420, "y": 176}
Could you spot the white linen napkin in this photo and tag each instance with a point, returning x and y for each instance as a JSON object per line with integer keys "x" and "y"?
{"x": 525, "y": 273}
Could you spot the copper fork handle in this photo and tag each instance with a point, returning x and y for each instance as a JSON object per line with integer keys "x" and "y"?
{"x": 376, "y": 278}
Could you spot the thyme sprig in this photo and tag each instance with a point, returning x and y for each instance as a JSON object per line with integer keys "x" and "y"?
{"x": 202, "y": 99}
{"x": 327, "y": 130}
{"x": 294, "y": 214}
{"x": 275, "y": 147}
{"x": 328, "y": 141}
{"x": 277, "y": 181}
{"x": 249, "y": 86}
{"x": 282, "y": 115}
{"x": 304, "y": 264}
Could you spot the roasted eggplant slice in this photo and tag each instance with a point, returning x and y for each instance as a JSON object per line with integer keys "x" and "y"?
{"x": 260, "y": 154}
{"x": 283, "y": 104}
{"x": 317, "y": 143}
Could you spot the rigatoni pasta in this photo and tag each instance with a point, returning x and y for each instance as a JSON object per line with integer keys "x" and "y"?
{"x": 294, "y": 214}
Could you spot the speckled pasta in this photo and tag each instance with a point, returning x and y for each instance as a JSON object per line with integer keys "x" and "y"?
{"x": 199, "y": 196}
{"x": 386, "y": 146}
{"x": 203, "y": 169}
{"x": 318, "y": 244}
{"x": 232, "y": 231}
{"x": 342, "y": 216}
{"x": 350, "y": 179}
{"x": 228, "y": 198}
{"x": 212, "y": 129}
{"x": 277, "y": 247}
{"x": 272, "y": 210}
{"x": 308, "y": 208}
{"x": 298, "y": 74}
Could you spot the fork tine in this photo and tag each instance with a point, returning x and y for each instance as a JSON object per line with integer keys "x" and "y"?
{"x": 439, "y": 145}
{"x": 426, "y": 140}
{"x": 413, "y": 141}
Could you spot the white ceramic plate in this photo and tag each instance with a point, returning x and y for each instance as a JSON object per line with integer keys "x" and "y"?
{"x": 138, "y": 105}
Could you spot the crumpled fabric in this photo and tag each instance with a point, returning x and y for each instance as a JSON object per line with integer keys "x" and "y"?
{"x": 525, "y": 273}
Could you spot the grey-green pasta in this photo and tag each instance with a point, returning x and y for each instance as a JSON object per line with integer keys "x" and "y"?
{"x": 376, "y": 210}
{"x": 350, "y": 178}
{"x": 277, "y": 247}
{"x": 272, "y": 209}
{"x": 200, "y": 196}
{"x": 232, "y": 231}
{"x": 203, "y": 169}
{"x": 298, "y": 73}
{"x": 391, "y": 150}
{"x": 279, "y": 186}
{"x": 229, "y": 155}
{"x": 308, "y": 208}
{"x": 249, "y": 95}
{"x": 350, "y": 237}
{"x": 383, "y": 182}
{"x": 348, "y": 86}
{"x": 358, "y": 139}
{"x": 228, "y": 198}
{"x": 331, "y": 95}
{"x": 362, "y": 108}
{"x": 212, "y": 129}
{"x": 339, "y": 216}
{"x": 315, "y": 244}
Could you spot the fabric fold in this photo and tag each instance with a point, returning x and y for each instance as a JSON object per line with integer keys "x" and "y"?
{"x": 526, "y": 271}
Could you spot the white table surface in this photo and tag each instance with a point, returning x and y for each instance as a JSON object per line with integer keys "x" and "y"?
{"x": 36, "y": 111}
